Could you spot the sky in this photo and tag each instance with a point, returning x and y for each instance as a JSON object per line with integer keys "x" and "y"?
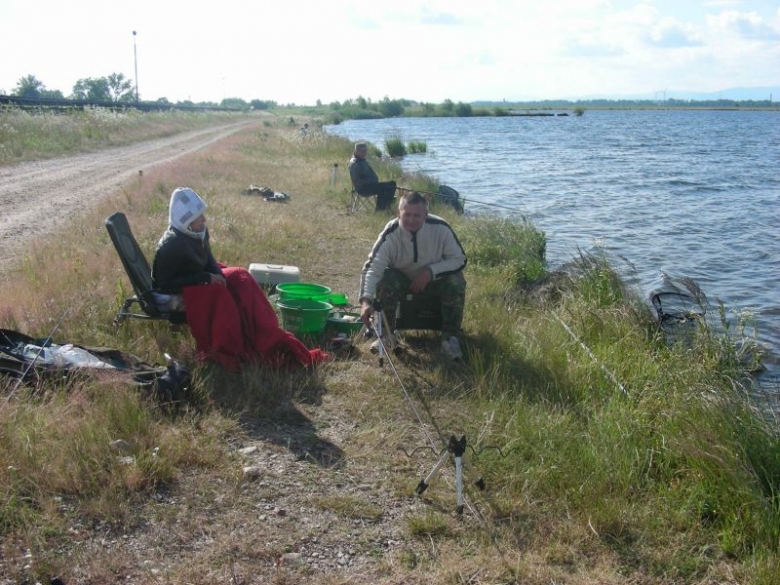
{"x": 301, "y": 51}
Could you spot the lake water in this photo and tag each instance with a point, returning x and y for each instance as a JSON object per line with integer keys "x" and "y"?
{"x": 685, "y": 193}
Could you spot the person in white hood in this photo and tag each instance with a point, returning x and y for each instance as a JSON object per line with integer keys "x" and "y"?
{"x": 183, "y": 256}
{"x": 229, "y": 315}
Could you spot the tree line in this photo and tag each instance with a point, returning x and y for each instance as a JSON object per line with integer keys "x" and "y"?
{"x": 118, "y": 89}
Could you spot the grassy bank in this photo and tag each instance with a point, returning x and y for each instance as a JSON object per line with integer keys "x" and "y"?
{"x": 645, "y": 465}
{"x": 32, "y": 135}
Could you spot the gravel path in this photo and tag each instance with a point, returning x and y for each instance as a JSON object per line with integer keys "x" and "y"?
{"x": 39, "y": 196}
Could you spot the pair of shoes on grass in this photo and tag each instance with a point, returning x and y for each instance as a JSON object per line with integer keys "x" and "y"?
{"x": 451, "y": 349}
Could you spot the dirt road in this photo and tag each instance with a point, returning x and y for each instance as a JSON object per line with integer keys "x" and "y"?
{"x": 37, "y": 197}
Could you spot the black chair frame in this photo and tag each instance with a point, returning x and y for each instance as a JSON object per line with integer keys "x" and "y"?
{"x": 140, "y": 275}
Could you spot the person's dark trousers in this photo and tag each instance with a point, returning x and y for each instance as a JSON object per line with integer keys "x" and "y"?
{"x": 450, "y": 289}
{"x": 385, "y": 192}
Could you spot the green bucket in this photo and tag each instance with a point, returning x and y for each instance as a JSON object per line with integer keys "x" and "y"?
{"x": 344, "y": 322}
{"x": 302, "y": 290}
{"x": 304, "y": 316}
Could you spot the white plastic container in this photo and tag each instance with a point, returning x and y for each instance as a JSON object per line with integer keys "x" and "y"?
{"x": 268, "y": 274}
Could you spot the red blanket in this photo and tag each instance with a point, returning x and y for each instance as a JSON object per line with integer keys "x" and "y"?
{"x": 236, "y": 323}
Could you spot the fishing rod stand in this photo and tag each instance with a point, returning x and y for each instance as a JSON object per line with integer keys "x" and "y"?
{"x": 380, "y": 323}
{"x": 456, "y": 447}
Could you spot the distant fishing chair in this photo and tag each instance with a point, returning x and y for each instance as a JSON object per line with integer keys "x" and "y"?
{"x": 445, "y": 196}
{"x": 140, "y": 275}
{"x": 358, "y": 202}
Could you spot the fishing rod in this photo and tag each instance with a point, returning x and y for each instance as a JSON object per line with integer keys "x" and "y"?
{"x": 459, "y": 198}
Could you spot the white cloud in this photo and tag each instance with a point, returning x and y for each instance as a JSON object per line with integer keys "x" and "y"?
{"x": 747, "y": 25}
{"x": 671, "y": 33}
{"x": 722, "y": 3}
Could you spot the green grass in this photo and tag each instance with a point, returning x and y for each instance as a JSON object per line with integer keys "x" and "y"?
{"x": 394, "y": 146}
{"x": 349, "y": 506}
{"x": 428, "y": 526}
{"x": 45, "y": 133}
{"x": 416, "y": 147}
{"x": 674, "y": 480}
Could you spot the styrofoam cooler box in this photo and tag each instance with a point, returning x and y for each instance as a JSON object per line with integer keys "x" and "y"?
{"x": 274, "y": 273}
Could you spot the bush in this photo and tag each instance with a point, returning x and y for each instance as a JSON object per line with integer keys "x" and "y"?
{"x": 394, "y": 146}
{"x": 513, "y": 244}
{"x": 416, "y": 146}
{"x": 463, "y": 110}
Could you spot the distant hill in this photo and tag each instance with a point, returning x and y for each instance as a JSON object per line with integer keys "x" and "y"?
{"x": 734, "y": 93}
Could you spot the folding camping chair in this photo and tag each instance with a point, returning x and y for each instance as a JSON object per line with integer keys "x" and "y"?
{"x": 419, "y": 311}
{"x": 139, "y": 273}
{"x": 358, "y": 202}
{"x": 414, "y": 312}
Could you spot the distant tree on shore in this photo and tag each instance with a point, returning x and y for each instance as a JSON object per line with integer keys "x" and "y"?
{"x": 234, "y": 102}
{"x": 463, "y": 110}
{"x": 391, "y": 108}
{"x": 30, "y": 87}
{"x": 112, "y": 88}
{"x": 262, "y": 104}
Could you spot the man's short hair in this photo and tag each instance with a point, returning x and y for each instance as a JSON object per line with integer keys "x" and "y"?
{"x": 412, "y": 198}
{"x": 361, "y": 146}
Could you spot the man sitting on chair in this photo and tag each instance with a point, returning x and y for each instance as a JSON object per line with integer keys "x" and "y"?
{"x": 419, "y": 253}
{"x": 365, "y": 181}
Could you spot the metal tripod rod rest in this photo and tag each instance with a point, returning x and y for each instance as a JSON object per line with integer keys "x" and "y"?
{"x": 457, "y": 447}
{"x": 381, "y": 321}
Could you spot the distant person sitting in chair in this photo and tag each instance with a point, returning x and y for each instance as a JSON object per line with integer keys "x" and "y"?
{"x": 419, "y": 253}
{"x": 229, "y": 315}
{"x": 365, "y": 181}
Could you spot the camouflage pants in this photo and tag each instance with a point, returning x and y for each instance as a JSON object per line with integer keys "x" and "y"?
{"x": 451, "y": 291}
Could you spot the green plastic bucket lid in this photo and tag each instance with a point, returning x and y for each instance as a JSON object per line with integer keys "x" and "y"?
{"x": 338, "y": 299}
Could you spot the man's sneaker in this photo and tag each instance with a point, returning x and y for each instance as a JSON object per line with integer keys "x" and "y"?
{"x": 390, "y": 341}
{"x": 451, "y": 348}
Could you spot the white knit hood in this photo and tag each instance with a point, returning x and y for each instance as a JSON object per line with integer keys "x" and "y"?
{"x": 186, "y": 206}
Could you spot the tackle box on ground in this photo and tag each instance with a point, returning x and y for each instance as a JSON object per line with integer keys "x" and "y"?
{"x": 271, "y": 274}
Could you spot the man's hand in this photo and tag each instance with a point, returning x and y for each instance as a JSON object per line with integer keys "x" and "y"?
{"x": 421, "y": 281}
{"x": 218, "y": 279}
{"x": 366, "y": 310}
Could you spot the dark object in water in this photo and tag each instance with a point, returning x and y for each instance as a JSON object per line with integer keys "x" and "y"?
{"x": 681, "y": 308}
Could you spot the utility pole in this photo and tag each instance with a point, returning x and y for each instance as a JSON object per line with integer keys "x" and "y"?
{"x": 135, "y": 56}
